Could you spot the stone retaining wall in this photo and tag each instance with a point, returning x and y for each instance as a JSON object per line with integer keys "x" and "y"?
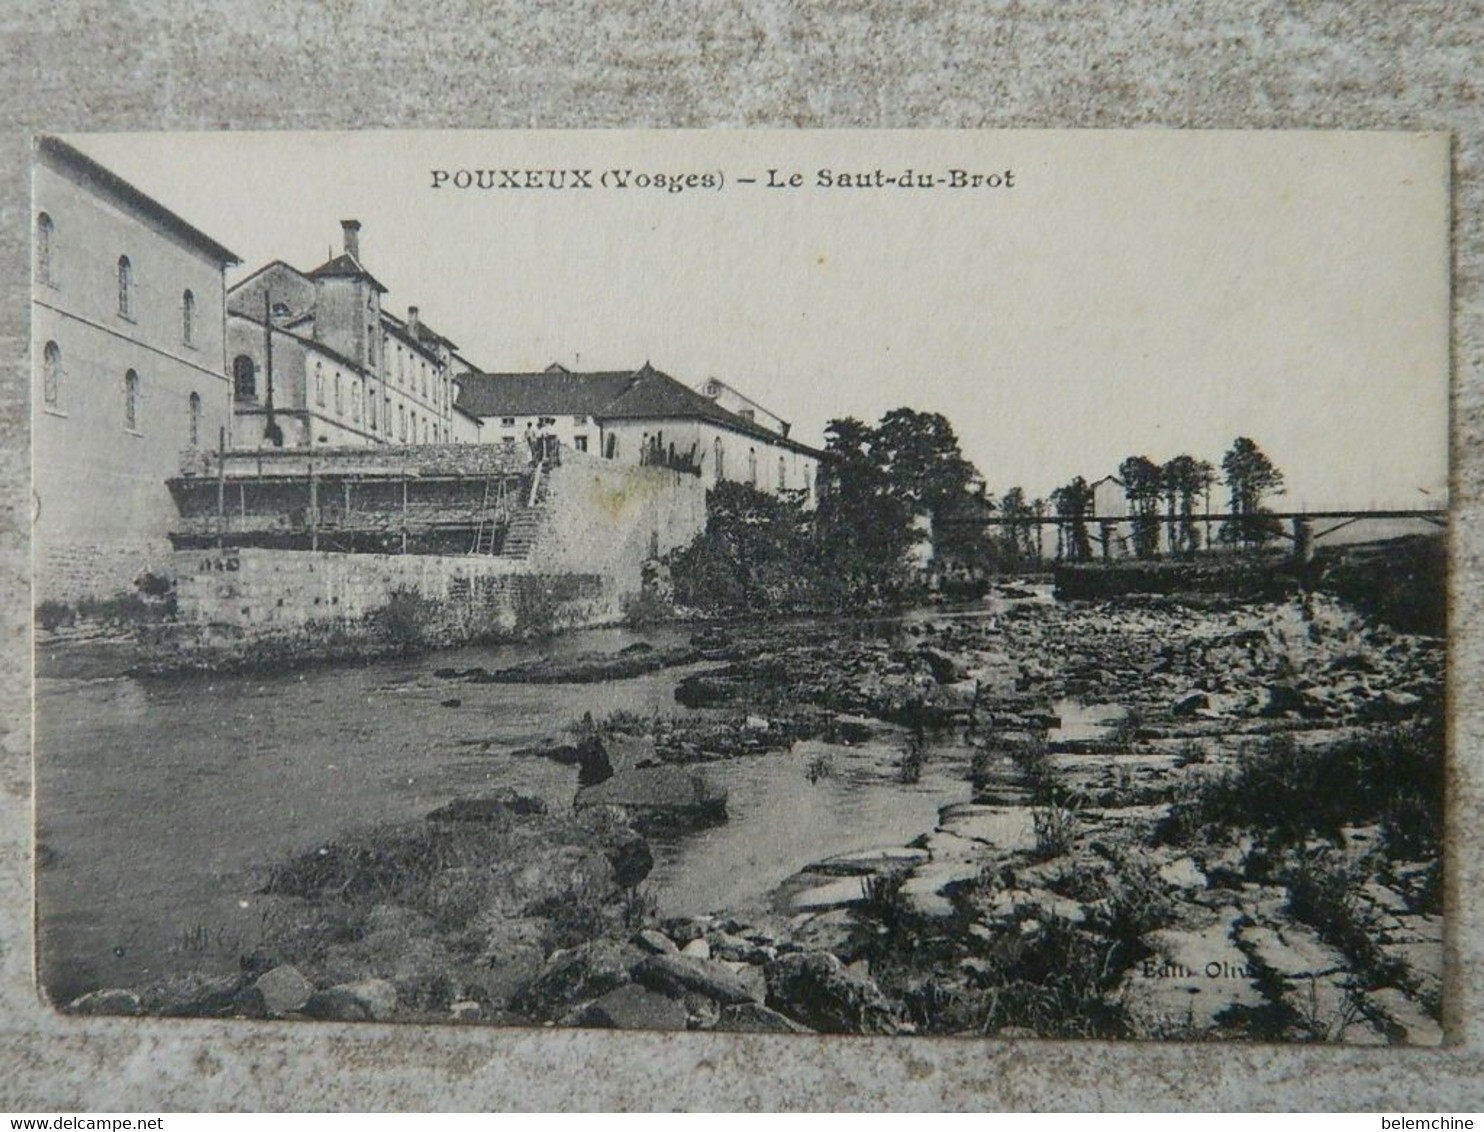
{"x": 247, "y": 606}
{"x": 80, "y": 570}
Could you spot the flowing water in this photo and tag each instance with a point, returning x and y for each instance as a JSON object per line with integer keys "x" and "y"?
{"x": 164, "y": 803}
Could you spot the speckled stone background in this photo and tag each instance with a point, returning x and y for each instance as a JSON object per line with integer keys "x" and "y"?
{"x": 207, "y": 64}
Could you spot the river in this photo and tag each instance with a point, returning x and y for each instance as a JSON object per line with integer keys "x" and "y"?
{"x": 164, "y": 802}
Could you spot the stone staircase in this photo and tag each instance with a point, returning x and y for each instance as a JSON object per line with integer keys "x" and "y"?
{"x": 524, "y": 532}
{"x": 528, "y": 523}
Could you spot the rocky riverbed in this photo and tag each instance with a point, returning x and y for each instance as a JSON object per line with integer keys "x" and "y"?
{"x": 1248, "y": 848}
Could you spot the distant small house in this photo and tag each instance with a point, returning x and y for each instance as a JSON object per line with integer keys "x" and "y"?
{"x": 1110, "y": 501}
{"x": 641, "y": 416}
{"x": 1109, "y": 498}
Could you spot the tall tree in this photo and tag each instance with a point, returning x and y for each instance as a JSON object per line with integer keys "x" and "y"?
{"x": 1143, "y": 484}
{"x": 1073, "y": 503}
{"x": 1250, "y": 476}
{"x": 921, "y": 458}
{"x": 862, "y": 527}
{"x": 1015, "y": 531}
{"x": 1185, "y": 478}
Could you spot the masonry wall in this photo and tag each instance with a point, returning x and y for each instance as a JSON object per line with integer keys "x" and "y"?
{"x": 608, "y": 518}
{"x": 241, "y": 606}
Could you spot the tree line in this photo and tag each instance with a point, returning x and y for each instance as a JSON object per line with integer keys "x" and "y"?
{"x": 1163, "y": 503}
{"x": 894, "y": 492}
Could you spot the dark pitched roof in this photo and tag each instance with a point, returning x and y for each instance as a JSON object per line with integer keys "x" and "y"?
{"x": 426, "y": 338}
{"x": 653, "y": 393}
{"x": 346, "y": 266}
{"x": 554, "y": 393}
{"x": 642, "y": 394}
{"x": 399, "y": 330}
{"x": 110, "y": 182}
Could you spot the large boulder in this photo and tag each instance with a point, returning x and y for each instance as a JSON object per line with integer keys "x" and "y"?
{"x": 577, "y": 974}
{"x": 1285, "y": 698}
{"x": 283, "y": 990}
{"x": 633, "y": 1007}
{"x": 754, "y": 1018}
{"x": 601, "y": 756}
{"x": 198, "y": 996}
{"x": 816, "y": 989}
{"x": 366, "y": 1000}
{"x": 490, "y": 807}
{"x": 659, "y": 795}
{"x": 654, "y": 941}
{"x": 1190, "y": 703}
{"x": 677, "y": 974}
{"x": 840, "y": 932}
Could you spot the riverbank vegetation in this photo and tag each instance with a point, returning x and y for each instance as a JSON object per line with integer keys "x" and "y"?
{"x": 852, "y": 548}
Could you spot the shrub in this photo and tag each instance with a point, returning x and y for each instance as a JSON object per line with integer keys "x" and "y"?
{"x": 820, "y": 766}
{"x": 582, "y": 912}
{"x": 914, "y": 757}
{"x": 154, "y": 585}
{"x": 405, "y": 620}
{"x": 1033, "y": 759}
{"x": 1324, "y": 892}
{"x": 1290, "y": 793}
{"x": 1056, "y": 985}
{"x": 1056, "y": 829}
{"x": 1138, "y": 901}
{"x": 432, "y": 870}
{"x": 644, "y": 609}
{"x": 52, "y": 615}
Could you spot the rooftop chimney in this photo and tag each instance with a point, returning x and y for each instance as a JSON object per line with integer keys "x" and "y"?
{"x": 412, "y": 324}
{"x": 352, "y": 230}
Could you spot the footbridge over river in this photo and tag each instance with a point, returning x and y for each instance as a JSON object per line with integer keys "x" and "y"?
{"x": 1108, "y": 536}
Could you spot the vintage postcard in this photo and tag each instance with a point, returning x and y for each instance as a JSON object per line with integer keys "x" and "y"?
{"x": 915, "y": 583}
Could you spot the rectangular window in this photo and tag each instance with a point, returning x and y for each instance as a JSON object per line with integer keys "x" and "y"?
{"x": 579, "y": 443}
{"x": 507, "y": 422}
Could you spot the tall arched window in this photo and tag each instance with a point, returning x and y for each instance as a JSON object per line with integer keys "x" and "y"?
{"x": 126, "y": 287}
{"x": 244, "y": 378}
{"x": 355, "y": 400}
{"x": 131, "y": 401}
{"x": 188, "y": 318}
{"x": 782, "y": 474}
{"x": 721, "y": 460}
{"x": 46, "y": 233}
{"x": 402, "y": 423}
{"x": 51, "y": 375}
{"x": 195, "y": 419}
{"x": 339, "y": 398}
{"x": 319, "y": 384}
{"x": 752, "y": 466}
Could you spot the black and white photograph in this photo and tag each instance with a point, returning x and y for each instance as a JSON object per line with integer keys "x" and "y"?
{"x": 966, "y": 584}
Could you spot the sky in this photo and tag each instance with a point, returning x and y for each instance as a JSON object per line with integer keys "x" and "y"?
{"x": 1131, "y": 293}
